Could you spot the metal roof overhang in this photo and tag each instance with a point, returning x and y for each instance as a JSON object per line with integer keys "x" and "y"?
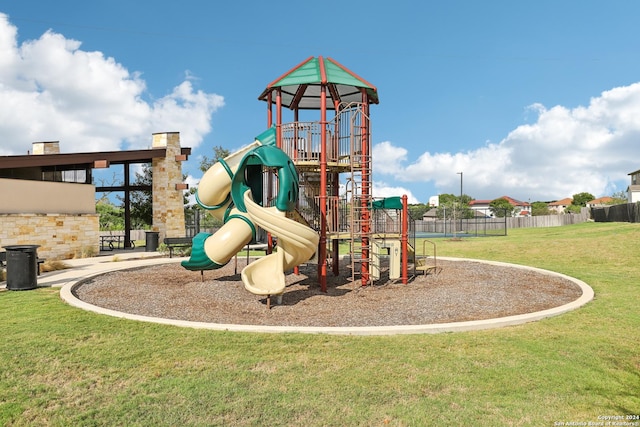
{"x": 311, "y": 93}
{"x": 84, "y": 160}
{"x": 300, "y": 88}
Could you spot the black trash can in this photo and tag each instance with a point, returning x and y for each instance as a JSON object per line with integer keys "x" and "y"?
{"x": 22, "y": 267}
{"x": 151, "y": 242}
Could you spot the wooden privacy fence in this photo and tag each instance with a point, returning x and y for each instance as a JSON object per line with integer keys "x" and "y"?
{"x": 627, "y": 212}
{"x": 498, "y": 226}
{"x": 549, "y": 220}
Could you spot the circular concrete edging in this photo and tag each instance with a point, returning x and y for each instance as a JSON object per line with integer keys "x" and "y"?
{"x": 66, "y": 293}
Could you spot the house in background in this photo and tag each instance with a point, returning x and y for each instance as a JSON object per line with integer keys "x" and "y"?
{"x": 600, "y": 202}
{"x": 559, "y": 206}
{"x": 482, "y": 206}
{"x": 633, "y": 191}
{"x": 430, "y": 215}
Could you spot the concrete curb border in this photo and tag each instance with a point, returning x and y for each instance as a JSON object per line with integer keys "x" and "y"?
{"x": 66, "y": 293}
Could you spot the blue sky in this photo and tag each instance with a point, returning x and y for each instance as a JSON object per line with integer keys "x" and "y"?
{"x": 534, "y": 100}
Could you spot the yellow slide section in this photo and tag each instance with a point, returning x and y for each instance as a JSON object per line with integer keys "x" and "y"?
{"x": 214, "y": 190}
{"x": 215, "y": 185}
{"x": 296, "y": 244}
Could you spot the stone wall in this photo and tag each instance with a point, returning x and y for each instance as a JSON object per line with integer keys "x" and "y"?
{"x": 60, "y": 236}
{"x": 168, "y": 202}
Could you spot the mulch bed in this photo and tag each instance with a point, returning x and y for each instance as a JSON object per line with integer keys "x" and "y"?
{"x": 462, "y": 291}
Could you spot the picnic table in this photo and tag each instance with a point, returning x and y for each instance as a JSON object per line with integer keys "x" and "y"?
{"x": 110, "y": 242}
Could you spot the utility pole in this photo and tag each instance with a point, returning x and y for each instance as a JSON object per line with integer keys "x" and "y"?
{"x": 460, "y": 173}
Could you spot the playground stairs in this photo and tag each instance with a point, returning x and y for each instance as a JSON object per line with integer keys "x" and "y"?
{"x": 356, "y": 124}
{"x": 360, "y": 220}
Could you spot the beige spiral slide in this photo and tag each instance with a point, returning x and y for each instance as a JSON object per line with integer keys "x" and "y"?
{"x": 296, "y": 244}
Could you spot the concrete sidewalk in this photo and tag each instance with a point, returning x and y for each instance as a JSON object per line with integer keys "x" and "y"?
{"x": 82, "y": 268}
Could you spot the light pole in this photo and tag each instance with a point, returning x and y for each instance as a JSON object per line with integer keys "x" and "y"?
{"x": 460, "y": 173}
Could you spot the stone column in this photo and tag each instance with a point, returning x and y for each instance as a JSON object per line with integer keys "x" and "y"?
{"x": 46, "y": 147}
{"x": 168, "y": 203}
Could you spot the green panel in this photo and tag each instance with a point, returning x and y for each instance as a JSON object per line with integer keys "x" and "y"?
{"x": 251, "y": 165}
{"x": 268, "y": 137}
{"x": 199, "y": 260}
{"x": 305, "y": 74}
{"x": 309, "y": 73}
{"x": 337, "y": 75}
{"x": 388, "y": 203}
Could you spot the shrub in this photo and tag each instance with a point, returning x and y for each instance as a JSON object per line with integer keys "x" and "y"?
{"x": 53, "y": 265}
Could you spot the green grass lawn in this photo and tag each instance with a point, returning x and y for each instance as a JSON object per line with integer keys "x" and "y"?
{"x": 62, "y": 366}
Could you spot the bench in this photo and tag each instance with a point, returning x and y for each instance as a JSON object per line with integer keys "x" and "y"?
{"x": 3, "y": 261}
{"x": 257, "y": 247}
{"x": 177, "y": 242}
{"x": 109, "y": 242}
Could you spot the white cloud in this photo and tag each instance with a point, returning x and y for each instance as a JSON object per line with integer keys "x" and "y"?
{"x": 566, "y": 151}
{"x": 381, "y": 189}
{"x": 387, "y": 158}
{"x": 53, "y": 90}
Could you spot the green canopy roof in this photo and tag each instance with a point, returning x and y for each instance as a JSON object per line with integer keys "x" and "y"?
{"x": 387, "y": 203}
{"x": 301, "y": 86}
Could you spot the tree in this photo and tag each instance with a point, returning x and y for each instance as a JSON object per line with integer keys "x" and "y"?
{"x": 619, "y": 198}
{"x": 417, "y": 211}
{"x": 142, "y": 201}
{"x": 450, "y": 204}
{"x": 445, "y": 205}
{"x": 206, "y": 163}
{"x": 573, "y": 209}
{"x": 581, "y": 199}
{"x": 539, "y": 209}
{"x": 218, "y": 153}
{"x": 111, "y": 217}
{"x": 501, "y": 208}
{"x": 209, "y": 221}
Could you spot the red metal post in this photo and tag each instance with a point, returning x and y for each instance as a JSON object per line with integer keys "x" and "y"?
{"x": 269, "y": 189}
{"x": 279, "y": 145}
{"x": 335, "y": 209}
{"x": 269, "y": 110}
{"x": 294, "y": 148}
{"x": 404, "y": 237}
{"x": 322, "y": 250}
{"x": 366, "y": 189}
{"x": 279, "y": 118}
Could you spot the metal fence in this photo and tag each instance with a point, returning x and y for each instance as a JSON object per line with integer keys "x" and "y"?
{"x": 387, "y": 221}
{"x": 196, "y": 221}
{"x": 199, "y": 220}
{"x": 463, "y": 227}
{"x": 492, "y": 226}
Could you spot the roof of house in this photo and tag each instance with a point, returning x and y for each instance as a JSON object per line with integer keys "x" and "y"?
{"x": 431, "y": 213}
{"x": 511, "y": 200}
{"x": 564, "y": 202}
{"x": 479, "y": 202}
{"x": 600, "y": 200}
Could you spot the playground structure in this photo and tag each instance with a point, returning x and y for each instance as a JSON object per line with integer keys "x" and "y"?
{"x": 232, "y": 190}
{"x": 308, "y": 183}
